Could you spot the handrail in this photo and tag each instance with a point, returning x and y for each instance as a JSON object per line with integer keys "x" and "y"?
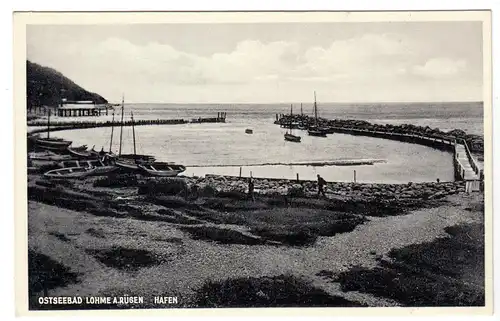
{"x": 472, "y": 161}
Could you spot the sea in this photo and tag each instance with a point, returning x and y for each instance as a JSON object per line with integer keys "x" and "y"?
{"x": 225, "y": 148}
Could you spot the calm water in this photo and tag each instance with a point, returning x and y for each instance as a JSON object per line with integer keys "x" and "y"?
{"x": 209, "y": 146}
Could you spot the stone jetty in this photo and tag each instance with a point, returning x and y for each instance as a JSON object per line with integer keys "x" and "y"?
{"x": 474, "y": 142}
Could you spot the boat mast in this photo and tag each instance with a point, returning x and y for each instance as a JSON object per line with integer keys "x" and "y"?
{"x": 291, "y": 118}
{"x": 48, "y": 125}
{"x": 133, "y": 129}
{"x": 121, "y": 126}
{"x": 315, "y": 108}
{"x": 112, "y": 128}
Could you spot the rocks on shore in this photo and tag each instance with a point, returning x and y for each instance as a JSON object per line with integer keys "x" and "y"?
{"x": 343, "y": 189}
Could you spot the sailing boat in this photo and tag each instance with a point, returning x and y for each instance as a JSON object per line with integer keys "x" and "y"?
{"x": 288, "y": 135}
{"x": 146, "y": 164}
{"x": 302, "y": 125}
{"x": 82, "y": 152}
{"x": 315, "y": 130}
{"x": 129, "y": 161}
{"x": 56, "y": 144}
{"x": 152, "y": 168}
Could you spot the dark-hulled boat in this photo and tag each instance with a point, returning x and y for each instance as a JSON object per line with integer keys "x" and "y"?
{"x": 292, "y": 138}
{"x": 49, "y": 143}
{"x": 316, "y": 130}
{"x": 288, "y": 135}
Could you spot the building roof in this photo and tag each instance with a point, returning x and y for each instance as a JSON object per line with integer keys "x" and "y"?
{"x": 77, "y": 101}
{"x": 78, "y": 106}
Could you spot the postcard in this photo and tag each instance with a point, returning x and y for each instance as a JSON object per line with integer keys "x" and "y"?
{"x": 181, "y": 162}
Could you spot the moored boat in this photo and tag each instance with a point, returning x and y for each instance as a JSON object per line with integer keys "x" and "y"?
{"x": 130, "y": 162}
{"x": 48, "y": 156}
{"x": 56, "y": 144}
{"x": 162, "y": 169}
{"x": 315, "y": 130}
{"x": 49, "y": 143}
{"x": 248, "y": 131}
{"x": 82, "y": 153}
{"x": 288, "y": 135}
{"x": 82, "y": 147}
{"x": 70, "y": 172}
{"x": 292, "y": 138}
{"x": 79, "y": 168}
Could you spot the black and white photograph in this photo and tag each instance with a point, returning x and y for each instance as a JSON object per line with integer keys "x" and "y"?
{"x": 280, "y": 160}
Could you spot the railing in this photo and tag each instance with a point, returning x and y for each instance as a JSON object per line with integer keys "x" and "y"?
{"x": 458, "y": 163}
{"x": 472, "y": 161}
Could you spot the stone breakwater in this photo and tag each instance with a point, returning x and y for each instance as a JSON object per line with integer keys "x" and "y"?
{"x": 263, "y": 186}
{"x": 474, "y": 142}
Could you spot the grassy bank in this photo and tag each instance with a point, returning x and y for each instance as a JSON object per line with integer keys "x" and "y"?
{"x": 446, "y": 272}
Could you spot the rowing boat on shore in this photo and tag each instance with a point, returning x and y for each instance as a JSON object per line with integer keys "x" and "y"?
{"x": 82, "y": 153}
{"x": 162, "y": 169}
{"x": 79, "y": 169}
{"x": 49, "y": 143}
{"x": 48, "y": 156}
{"x": 144, "y": 164}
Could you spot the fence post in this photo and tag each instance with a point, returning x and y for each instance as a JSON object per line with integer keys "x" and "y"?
{"x": 298, "y": 178}
{"x": 354, "y": 176}
{"x": 240, "y": 171}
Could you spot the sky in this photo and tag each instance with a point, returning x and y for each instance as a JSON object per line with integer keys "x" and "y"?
{"x": 267, "y": 62}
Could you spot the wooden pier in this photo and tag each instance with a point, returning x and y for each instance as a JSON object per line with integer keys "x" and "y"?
{"x": 68, "y": 125}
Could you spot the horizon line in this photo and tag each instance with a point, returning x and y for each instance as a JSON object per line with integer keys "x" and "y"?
{"x": 298, "y": 103}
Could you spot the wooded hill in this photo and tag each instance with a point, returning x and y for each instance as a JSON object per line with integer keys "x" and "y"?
{"x": 46, "y": 87}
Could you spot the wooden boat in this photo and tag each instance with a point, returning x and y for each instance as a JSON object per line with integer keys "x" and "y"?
{"x": 79, "y": 169}
{"x": 83, "y": 153}
{"x": 292, "y": 138}
{"x": 316, "y": 130}
{"x": 79, "y": 148}
{"x": 53, "y": 144}
{"x": 130, "y": 162}
{"x": 50, "y": 143}
{"x": 248, "y": 131}
{"x": 71, "y": 172}
{"x": 90, "y": 163}
{"x": 288, "y": 135}
{"x": 48, "y": 156}
{"x": 162, "y": 169}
